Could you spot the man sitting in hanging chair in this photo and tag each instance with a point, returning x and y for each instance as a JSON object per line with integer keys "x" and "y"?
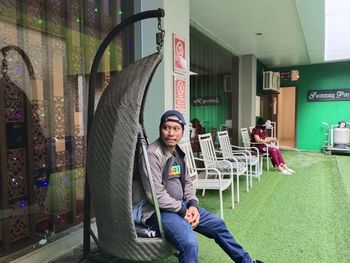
{"x": 180, "y": 213}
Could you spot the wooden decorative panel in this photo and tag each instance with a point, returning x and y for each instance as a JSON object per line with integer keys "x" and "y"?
{"x": 16, "y": 167}
{"x": 79, "y": 151}
{"x": 74, "y": 8}
{"x": 73, "y": 84}
{"x": 34, "y": 17}
{"x": 37, "y": 55}
{"x": 91, "y": 19}
{"x": 8, "y": 33}
{"x": 107, "y": 24}
{"x": 75, "y": 60}
{"x": 41, "y": 200}
{"x": 91, "y": 52}
{"x": 57, "y": 47}
{"x": 8, "y": 9}
{"x": 61, "y": 161}
{"x": 56, "y": 18}
{"x": 38, "y": 134}
{"x": 59, "y": 131}
{"x": 14, "y": 103}
{"x": 41, "y": 156}
{"x": 19, "y": 221}
{"x": 39, "y": 123}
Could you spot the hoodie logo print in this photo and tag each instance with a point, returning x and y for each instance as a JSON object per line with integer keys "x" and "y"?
{"x": 175, "y": 170}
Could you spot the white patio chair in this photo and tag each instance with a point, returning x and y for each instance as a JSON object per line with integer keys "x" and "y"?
{"x": 228, "y": 150}
{"x": 247, "y": 144}
{"x": 232, "y": 167}
{"x": 240, "y": 156}
{"x": 217, "y": 183}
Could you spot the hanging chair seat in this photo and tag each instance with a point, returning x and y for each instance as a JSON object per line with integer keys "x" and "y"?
{"x": 111, "y": 163}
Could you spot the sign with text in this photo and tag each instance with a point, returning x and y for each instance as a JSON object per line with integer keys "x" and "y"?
{"x": 204, "y": 101}
{"x": 292, "y": 75}
{"x": 179, "y": 46}
{"x": 285, "y": 75}
{"x": 180, "y": 84}
{"x": 328, "y": 95}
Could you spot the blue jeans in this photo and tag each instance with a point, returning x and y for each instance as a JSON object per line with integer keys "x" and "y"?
{"x": 180, "y": 233}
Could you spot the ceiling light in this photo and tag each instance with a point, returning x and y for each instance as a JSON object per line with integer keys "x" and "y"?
{"x": 337, "y": 20}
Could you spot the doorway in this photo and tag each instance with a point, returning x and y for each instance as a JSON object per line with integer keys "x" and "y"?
{"x": 281, "y": 109}
{"x": 286, "y": 117}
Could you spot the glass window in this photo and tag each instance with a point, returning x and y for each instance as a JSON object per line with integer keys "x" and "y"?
{"x": 47, "y": 48}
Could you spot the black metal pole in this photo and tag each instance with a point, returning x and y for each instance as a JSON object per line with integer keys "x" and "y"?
{"x": 91, "y": 105}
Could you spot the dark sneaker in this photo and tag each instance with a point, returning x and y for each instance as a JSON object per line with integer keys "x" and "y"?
{"x": 257, "y": 261}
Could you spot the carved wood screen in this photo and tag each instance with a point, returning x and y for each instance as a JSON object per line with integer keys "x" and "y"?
{"x": 42, "y": 118}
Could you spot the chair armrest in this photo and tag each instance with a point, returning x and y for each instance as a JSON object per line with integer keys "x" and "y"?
{"x": 263, "y": 143}
{"x": 257, "y": 143}
{"x": 213, "y": 157}
{"x": 245, "y": 155}
{"x": 251, "y": 149}
{"x": 209, "y": 169}
{"x": 242, "y": 149}
{"x": 198, "y": 159}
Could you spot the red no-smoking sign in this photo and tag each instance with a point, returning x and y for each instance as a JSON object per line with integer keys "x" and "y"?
{"x": 180, "y": 84}
{"x": 180, "y": 63}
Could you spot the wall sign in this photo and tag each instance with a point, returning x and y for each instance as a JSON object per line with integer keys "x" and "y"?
{"x": 328, "y": 95}
{"x": 179, "y": 49}
{"x": 180, "y": 84}
{"x": 285, "y": 75}
{"x": 292, "y": 75}
{"x": 204, "y": 101}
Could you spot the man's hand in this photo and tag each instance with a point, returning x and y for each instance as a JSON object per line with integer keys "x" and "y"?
{"x": 192, "y": 216}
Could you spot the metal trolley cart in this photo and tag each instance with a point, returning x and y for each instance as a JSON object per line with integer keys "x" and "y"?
{"x": 337, "y": 138}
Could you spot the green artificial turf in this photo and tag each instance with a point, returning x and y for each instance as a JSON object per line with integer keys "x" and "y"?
{"x": 303, "y": 218}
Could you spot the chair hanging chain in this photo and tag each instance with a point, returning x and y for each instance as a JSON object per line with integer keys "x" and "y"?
{"x": 160, "y": 35}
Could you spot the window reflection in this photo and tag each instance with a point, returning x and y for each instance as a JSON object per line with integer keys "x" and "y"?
{"x": 43, "y": 111}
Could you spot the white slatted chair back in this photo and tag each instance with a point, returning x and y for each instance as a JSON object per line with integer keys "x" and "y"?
{"x": 225, "y": 144}
{"x": 245, "y": 137}
{"x": 185, "y": 146}
{"x": 207, "y": 149}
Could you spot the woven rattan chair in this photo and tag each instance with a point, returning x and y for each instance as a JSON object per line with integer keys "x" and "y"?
{"x": 115, "y": 144}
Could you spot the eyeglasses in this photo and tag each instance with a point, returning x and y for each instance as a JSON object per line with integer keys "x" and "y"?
{"x": 169, "y": 128}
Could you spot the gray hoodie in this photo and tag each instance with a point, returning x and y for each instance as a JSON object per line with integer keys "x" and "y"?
{"x": 172, "y": 196}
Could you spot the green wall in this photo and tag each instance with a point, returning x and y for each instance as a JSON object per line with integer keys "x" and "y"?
{"x": 310, "y": 115}
{"x": 211, "y": 62}
{"x": 210, "y": 86}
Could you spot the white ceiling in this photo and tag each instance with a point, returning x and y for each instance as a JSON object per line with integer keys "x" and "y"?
{"x": 293, "y": 30}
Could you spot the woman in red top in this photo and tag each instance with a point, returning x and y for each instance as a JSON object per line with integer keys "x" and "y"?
{"x": 259, "y": 136}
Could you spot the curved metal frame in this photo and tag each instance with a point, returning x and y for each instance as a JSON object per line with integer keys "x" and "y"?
{"x": 24, "y": 56}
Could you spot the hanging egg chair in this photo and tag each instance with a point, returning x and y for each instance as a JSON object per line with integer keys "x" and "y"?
{"x": 115, "y": 142}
